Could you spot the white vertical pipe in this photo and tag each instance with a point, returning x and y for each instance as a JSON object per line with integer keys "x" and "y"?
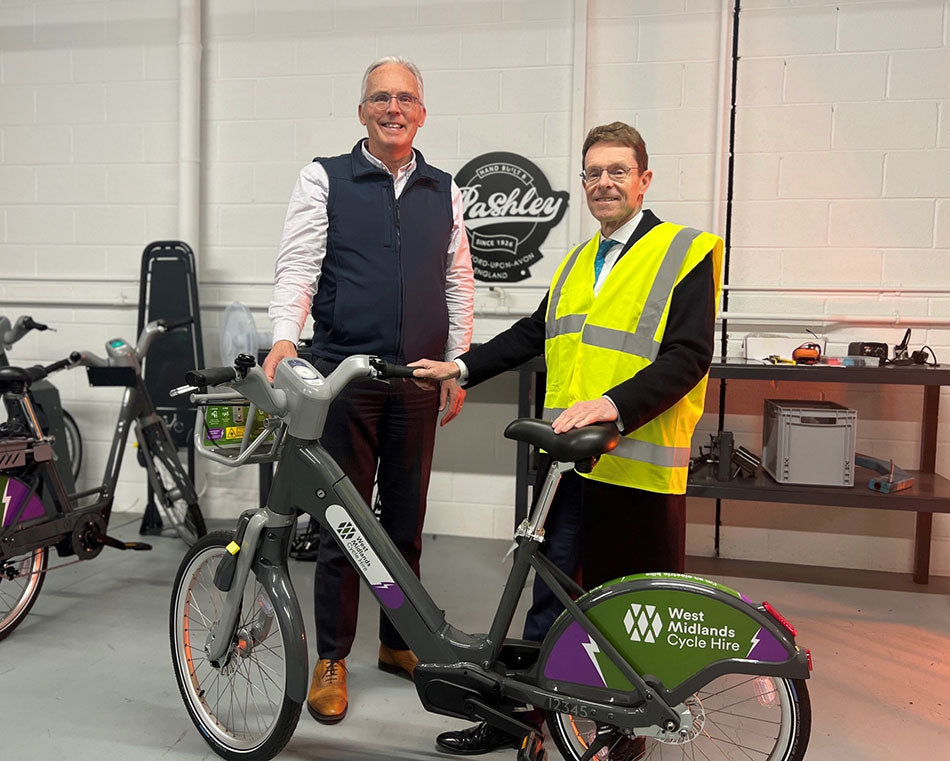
{"x": 722, "y": 113}
{"x": 189, "y": 122}
{"x": 575, "y": 217}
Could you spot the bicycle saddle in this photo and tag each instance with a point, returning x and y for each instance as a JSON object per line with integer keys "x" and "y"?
{"x": 18, "y": 378}
{"x": 571, "y": 446}
{"x": 14, "y": 379}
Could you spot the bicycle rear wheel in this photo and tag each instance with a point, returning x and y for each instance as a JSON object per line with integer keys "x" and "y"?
{"x": 73, "y": 443}
{"x": 735, "y": 717}
{"x": 176, "y": 512}
{"x": 241, "y": 708}
{"x": 21, "y": 579}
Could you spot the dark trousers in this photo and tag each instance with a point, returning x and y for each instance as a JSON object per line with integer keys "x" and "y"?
{"x": 602, "y": 532}
{"x": 387, "y": 431}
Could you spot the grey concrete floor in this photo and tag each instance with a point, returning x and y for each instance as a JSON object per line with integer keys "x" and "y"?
{"x": 88, "y": 674}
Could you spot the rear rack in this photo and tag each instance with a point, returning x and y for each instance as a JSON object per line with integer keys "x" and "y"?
{"x": 263, "y": 446}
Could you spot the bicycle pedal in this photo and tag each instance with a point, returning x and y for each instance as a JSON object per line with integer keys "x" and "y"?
{"x": 532, "y": 748}
{"x": 109, "y": 541}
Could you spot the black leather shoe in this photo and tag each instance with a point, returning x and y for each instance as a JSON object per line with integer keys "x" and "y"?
{"x": 481, "y": 738}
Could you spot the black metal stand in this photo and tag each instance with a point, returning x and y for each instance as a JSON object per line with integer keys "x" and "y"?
{"x": 168, "y": 289}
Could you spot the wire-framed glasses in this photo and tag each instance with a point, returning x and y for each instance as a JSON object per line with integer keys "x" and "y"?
{"x": 592, "y": 175}
{"x": 380, "y": 100}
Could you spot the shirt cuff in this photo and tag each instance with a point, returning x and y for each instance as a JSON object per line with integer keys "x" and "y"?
{"x": 463, "y": 372}
{"x": 619, "y": 419}
{"x": 286, "y": 330}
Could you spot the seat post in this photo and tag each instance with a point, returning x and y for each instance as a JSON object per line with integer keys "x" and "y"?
{"x": 533, "y": 526}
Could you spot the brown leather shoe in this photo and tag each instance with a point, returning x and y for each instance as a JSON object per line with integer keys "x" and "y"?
{"x": 401, "y": 662}
{"x": 326, "y": 700}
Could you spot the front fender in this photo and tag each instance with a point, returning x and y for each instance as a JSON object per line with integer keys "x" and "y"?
{"x": 277, "y": 584}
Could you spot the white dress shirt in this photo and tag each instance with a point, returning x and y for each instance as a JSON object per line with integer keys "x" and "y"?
{"x": 303, "y": 248}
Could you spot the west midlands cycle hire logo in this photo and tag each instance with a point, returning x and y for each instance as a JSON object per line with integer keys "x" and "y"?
{"x": 509, "y": 209}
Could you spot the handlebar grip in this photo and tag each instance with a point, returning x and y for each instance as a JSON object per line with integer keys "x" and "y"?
{"x": 390, "y": 370}
{"x": 30, "y": 324}
{"x": 63, "y": 363}
{"x": 211, "y": 376}
{"x": 171, "y": 325}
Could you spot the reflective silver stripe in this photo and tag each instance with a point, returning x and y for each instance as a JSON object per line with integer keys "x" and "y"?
{"x": 664, "y": 281}
{"x": 551, "y": 327}
{"x": 552, "y": 412}
{"x": 620, "y": 340}
{"x": 654, "y": 454}
{"x": 569, "y": 323}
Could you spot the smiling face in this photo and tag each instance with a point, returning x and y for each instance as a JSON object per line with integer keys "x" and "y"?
{"x": 614, "y": 203}
{"x": 391, "y": 129}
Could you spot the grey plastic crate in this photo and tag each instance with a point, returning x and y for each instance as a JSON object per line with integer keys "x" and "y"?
{"x": 808, "y": 442}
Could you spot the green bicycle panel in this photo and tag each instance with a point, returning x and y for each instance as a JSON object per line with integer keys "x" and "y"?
{"x": 671, "y": 632}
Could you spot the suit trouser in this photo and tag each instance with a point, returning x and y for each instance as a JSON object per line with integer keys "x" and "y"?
{"x": 387, "y": 431}
{"x": 597, "y": 532}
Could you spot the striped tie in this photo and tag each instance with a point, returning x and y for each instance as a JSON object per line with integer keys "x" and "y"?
{"x": 601, "y": 257}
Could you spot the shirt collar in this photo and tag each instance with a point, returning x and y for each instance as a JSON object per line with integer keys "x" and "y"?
{"x": 622, "y": 234}
{"x": 403, "y": 170}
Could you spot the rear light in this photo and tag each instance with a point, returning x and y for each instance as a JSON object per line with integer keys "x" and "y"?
{"x": 808, "y": 656}
{"x": 780, "y": 618}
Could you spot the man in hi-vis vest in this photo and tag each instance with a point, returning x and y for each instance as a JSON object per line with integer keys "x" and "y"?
{"x": 627, "y": 333}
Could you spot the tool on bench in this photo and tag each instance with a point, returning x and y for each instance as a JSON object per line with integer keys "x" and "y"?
{"x": 895, "y": 478}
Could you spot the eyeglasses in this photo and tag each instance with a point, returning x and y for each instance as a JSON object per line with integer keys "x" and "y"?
{"x": 380, "y": 100}
{"x": 615, "y": 174}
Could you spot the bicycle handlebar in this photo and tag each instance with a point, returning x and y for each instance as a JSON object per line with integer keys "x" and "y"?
{"x": 170, "y": 325}
{"x": 385, "y": 370}
{"x": 10, "y": 334}
{"x": 211, "y": 376}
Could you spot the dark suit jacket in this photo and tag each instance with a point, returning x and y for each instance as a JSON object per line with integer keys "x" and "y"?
{"x": 684, "y": 357}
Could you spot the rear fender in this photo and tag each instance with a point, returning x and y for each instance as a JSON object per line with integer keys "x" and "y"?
{"x": 679, "y": 632}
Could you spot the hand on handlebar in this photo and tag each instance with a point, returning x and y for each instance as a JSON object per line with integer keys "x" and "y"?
{"x": 437, "y": 371}
{"x": 280, "y": 350}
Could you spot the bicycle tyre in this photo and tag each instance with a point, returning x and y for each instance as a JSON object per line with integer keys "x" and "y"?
{"x": 16, "y": 600}
{"x": 185, "y": 518}
{"x": 718, "y": 739}
{"x": 73, "y": 444}
{"x": 195, "y": 601}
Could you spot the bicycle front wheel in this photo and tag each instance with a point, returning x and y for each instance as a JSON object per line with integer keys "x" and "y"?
{"x": 21, "y": 579}
{"x": 176, "y": 512}
{"x": 240, "y": 707}
{"x": 735, "y": 717}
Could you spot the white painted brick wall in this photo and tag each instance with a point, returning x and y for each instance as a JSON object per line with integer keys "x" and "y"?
{"x": 842, "y": 145}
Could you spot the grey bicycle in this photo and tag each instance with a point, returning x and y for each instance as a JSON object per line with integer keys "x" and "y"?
{"x": 75, "y": 524}
{"x": 655, "y": 666}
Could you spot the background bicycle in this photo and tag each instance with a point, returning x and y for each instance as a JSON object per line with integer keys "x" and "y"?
{"x": 53, "y": 418}
{"x": 76, "y": 523}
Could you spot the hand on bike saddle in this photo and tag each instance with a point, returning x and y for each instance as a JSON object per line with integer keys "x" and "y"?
{"x": 580, "y": 414}
{"x": 280, "y": 350}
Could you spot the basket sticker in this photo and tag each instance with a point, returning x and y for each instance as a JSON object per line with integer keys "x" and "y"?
{"x": 365, "y": 558}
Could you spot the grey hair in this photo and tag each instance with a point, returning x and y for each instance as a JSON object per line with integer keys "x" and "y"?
{"x": 413, "y": 69}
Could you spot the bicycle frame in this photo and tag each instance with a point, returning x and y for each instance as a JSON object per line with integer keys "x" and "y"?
{"x": 308, "y": 479}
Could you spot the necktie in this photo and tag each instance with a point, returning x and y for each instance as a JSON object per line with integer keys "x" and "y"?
{"x": 601, "y": 256}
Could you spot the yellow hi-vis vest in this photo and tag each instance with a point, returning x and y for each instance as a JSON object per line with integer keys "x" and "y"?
{"x": 592, "y": 345}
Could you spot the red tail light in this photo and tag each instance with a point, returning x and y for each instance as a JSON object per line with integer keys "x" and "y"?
{"x": 780, "y": 618}
{"x": 808, "y": 656}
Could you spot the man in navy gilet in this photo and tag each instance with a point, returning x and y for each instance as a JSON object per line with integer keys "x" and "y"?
{"x": 375, "y": 249}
